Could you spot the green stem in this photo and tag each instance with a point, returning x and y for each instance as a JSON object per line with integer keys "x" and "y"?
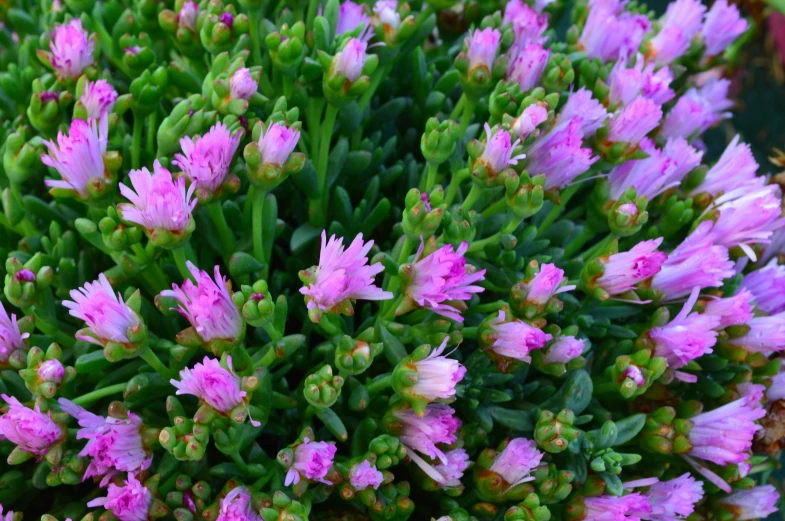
{"x": 268, "y": 358}
{"x": 136, "y": 146}
{"x": 390, "y": 313}
{"x": 380, "y": 384}
{"x": 376, "y": 78}
{"x": 466, "y": 117}
{"x": 313, "y": 6}
{"x": 433, "y": 171}
{"x": 495, "y": 209}
{"x": 253, "y": 23}
{"x": 225, "y": 234}
{"x": 180, "y": 260}
{"x": 149, "y": 356}
{"x": 565, "y": 196}
{"x": 458, "y": 107}
{"x": 479, "y": 245}
{"x": 395, "y": 282}
{"x": 258, "y": 225}
{"x": 474, "y": 194}
{"x": 275, "y": 335}
{"x": 455, "y": 183}
{"x": 318, "y": 208}
{"x": 87, "y": 399}
{"x": 152, "y": 125}
{"x": 585, "y": 235}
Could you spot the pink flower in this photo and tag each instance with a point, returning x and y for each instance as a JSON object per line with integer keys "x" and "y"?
{"x": 564, "y": 349}
{"x": 558, "y": 154}
{"x": 437, "y": 375}
{"x": 187, "y": 15}
{"x": 158, "y": 201}
{"x": 609, "y": 36}
{"x": 591, "y": 112}
{"x": 497, "y": 154}
{"x": 626, "y": 84}
{"x": 51, "y": 371}
{"x": 721, "y": 26}
{"x": 516, "y": 339}
{"x": 683, "y": 156}
{"x": 546, "y": 284}
{"x": 387, "y": 13}
{"x": 482, "y": 47}
{"x": 686, "y": 337}
{"x": 767, "y": 284}
{"x": 114, "y": 445}
{"x": 208, "y": 305}
{"x": 131, "y": 502}
{"x": 452, "y": 470}
{"x": 757, "y": 503}
{"x": 631, "y": 507}
{"x": 777, "y": 389}
{"x": 633, "y": 122}
{"x": 350, "y": 17}
{"x": 731, "y": 311}
{"x": 649, "y": 176}
{"x": 11, "y": 339}
{"x": 766, "y": 335}
{"x": 528, "y": 65}
{"x": 237, "y": 506}
{"x": 8, "y": 516}
{"x": 78, "y": 156}
{"x": 725, "y": 434}
{"x": 278, "y": 143}
{"x": 442, "y": 277}
{"x": 696, "y": 262}
{"x": 104, "y": 312}
{"x": 626, "y": 269}
{"x": 734, "y": 169}
{"x": 438, "y": 425}
{"x": 242, "y": 85}
{"x": 674, "y": 500}
{"x": 698, "y": 109}
{"x": 515, "y": 463}
{"x": 71, "y": 49}
{"x": 29, "y": 429}
{"x": 681, "y": 23}
{"x": 527, "y": 24}
{"x": 364, "y": 475}
{"x": 312, "y": 460}
{"x": 343, "y": 275}
{"x": 98, "y": 99}
{"x": 529, "y": 119}
{"x": 206, "y": 160}
{"x": 350, "y": 60}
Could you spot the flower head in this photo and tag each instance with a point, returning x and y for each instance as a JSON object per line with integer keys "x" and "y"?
{"x": 698, "y": 109}
{"x": 633, "y": 122}
{"x": 99, "y": 98}
{"x": 312, "y": 460}
{"x": 721, "y": 26}
{"x": 558, "y": 154}
{"x": 437, "y": 375}
{"x": 631, "y": 507}
{"x": 130, "y": 502}
{"x": 591, "y": 112}
{"x": 386, "y": 12}
{"x": 187, "y": 15}
{"x": 422, "y": 433}
{"x": 724, "y": 435}
{"x": 531, "y": 116}
{"x": 11, "y": 339}
{"x": 51, "y": 371}
{"x": 78, "y": 156}
{"x": 564, "y": 349}
{"x": 29, "y": 429}
{"x": 8, "y": 516}
{"x": 482, "y": 47}
{"x": 674, "y": 500}
{"x": 766, "y": 335}
{"x": 242, "y": 85}
{"x": 515, "y": 463}
{"x": 237, "y": 506}
{"x": 627, "y": 83}
{"x": 683, "y": 157}
{"x": 527, "y": 23}
{"x": 71, "y": 49}
{"x": 364, "y": 475}
{"x": 206, "y": 159}
{"x": 115, "y": 445}
{"x": 278, "y": 143}
{"x": 687, "y": 337}
{"x": 735, "y": 168}
{"x": 546, "y": 284}
{"x": 350, "y": 60}
{"x": 350, "y": 17}
{"x": 452, "y": 470}
{"x": 497, "y": 154}
{"x": 767, "y": 285}
{"x": 528, "y": 65}
{"x": 609, "y": 36}
{"x": 626, "y": 269}
{"x": 756, "y": 503}
{"x": 681, "y": 23}
{"x": 732, "y": 311}
{"x": 515, "y": 338}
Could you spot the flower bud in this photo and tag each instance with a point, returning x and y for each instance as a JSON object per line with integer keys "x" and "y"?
{"x": 439, "y": 140}
{"x": 554, "y": 432}
{"x": 322, "y": 389}
{"x": 354, "y": 357}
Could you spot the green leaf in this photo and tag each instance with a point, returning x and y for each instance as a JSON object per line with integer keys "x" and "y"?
{"x": 513, "y": 419}
{"x": 628, "y": 428}
{"x": 303, "y": 236}
{"x": 394, "y": 349}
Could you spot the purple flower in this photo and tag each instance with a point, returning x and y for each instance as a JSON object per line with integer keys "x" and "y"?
{"x": 681, "y": 23}
{"x": 8, "y": 516}
{"x": 99, "y": 98}
{"x": 725, "y": 434}
{"x": 242, "y": 85}
{"x": 114, "y": 445}
{"x": 696, "y": 262}
{"x": 674, "y": 500}
{"x": 734, "y": 169}
{"x": 208, "y": 305}
{"x": 364, "y": 475}
{"x": 687, "y": 337}
{"x": 442, "y": 277}
{"x": 684, "y": 157}
{"x": 78, "y": 156}
{"x": 187, "y": 15}
{"x": 634, "y": 373}
{"x": 278, "y": 143}
{"x": 626, "y": 269}
{"x": 591, "y": 112}
{"x": 631, "y": 507}
{"x": 206, "y": 159}
{"x": 71, "y": 49}
{"x": 527, "y": 24}
{"x": 634, "y": 121}
{"x": 626, "y": 84}
{"x": 312, "y": 460}
{"x": 609, "y": 36}
{"x": 757, "y": 503}
{"x": 546, "y": 284}
{"x": 51, "y": 371}
{"x": 721, "y": 26}
{"x": 157, "y": 201}
{"x": 732, "y": 311}
{"x": 104, "y": 312}
{"x": 342, "y": 275}
{"x": 516, "y": 339}
{"x": 237, "y": 506}
{"x": 29, "y": 429}
{"x": 497, "y": 154}
{"x": 528, "y": 65}
{"x": 350, "y": 60}
{"x": 649, "y": 176}
{"x": 767, "y": 284}
{"x": 563, "y": 349}
{"x": 350, "y": 17}
{"x": 131, "y": 502}
{"x": 422, "y": 433}
{"x": 452, "y": 470}
{"x": 529, "y": 119}
{"x": 482, "y": 47}
{"x": 437, "y": 375}
{"x": 11, "y": 339}
{"x": 698, "y": 109}
{"x": 766, "y": 335}
{"x": 515, "y": 463}
{"x": 656, "y": 86}
{"x": 558, "y": 155}
{"x": 777, "y": 389}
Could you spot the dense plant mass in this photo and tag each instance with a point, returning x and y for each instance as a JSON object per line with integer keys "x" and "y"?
{"x": 386, "y": 261}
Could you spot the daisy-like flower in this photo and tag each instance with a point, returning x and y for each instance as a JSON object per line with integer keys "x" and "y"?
{"x": 98, "y": 99}
{"x": 312, "y": 461}
{"x": 582, "y": 104}
{"x": 129, "y": 502}
{"x": 529, "y": 119}
{"x": 674, "y": 500}
{"x": 350, "y": 60}
{"x": 453, "y": 469}
{"x": 698, "y": 109}
{"x": 528, "y": 65}
{"x": 350, "y": 16}
{"x": 437, "y": 375}
{"x": 277, "y": 144}
{"x": 29, "y": 429}
{"x": 627, "y": 83}
{"x": 564, "y": 349}
{"x": 626, "y": 269}
{"x": 631, "y": 507}
{"x": 766, "y": 335}
{"x": 633, "y": 122}
{"x": 78, "y": 156}
{"x": 71, "y": 49}
{"x": 11, "y": 339}
{"x": 515, "y": 463}
{"x": 516, "y": 339}
{"x": 206, "y": 159}
{"x": 767, "y": 285}
{"x": 731, "y": 311}
{"x": 528, "y": 24}
{"x": 559, "y": 154}
{"x": 422, "y": 433}
{"x": 609, "y": 36}
{"x": 497, "y": 154}
{"x": 546, "y": 284}
{"x": 187, "y": 15}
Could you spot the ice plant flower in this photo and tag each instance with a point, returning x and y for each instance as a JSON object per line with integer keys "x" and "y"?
{"x": 437, "y": 375}
{"x": 350, "y": 60}
{"x": 627, "y": 83}
{"x": 350, "y": 17}
{"x": 114, "y": 445}
{"x": 364, "y": 475}
{"x": 721, "y": 26}
{"x": 11, "y": 338}
{"x": 386, "y": 12}
{"x": 422, "y": 433}
{"x": 515, "y": 338}
{"x": 698, "y": 109}
{"x": 529, "y": 119}
{"x": 649, "y": 176}
{"x": 482, "y": 47}
{"x": 515, "y": 463}
{"x": 756, "y": 503}
{"x": 683, "y": 157}
{"x": 51, "y": 371}
{"x": 735, "y": 168}
{"x": 436, "y": 281}
{"x": 777, "y": 389}
{"x": 527, "y": 23}
{"x": 674, "y": 500}
{"x": 631, "y": 507}
{"x": 497, "y": 154}
{"x": 563, "y": 349}
{"x": 559, "y": 154}
{"x": 528, "y": 65}
{"x": 766, "y": 335}
{"x": 582, "y": 104}
{"x": 130, "y": 502}
{"x": 98, "y": 99}
{"x": 186, "y": 17}
{"x": 29, "y": 429}
{"x": 724, "y": 435}
{"x": 452, "y": 470}
{"x": 206, "y": 159}
{"x": 208, "y": 305}
{"x": 237, "y": 506}
{"x": 634, "y": 121}
{"x": 342, "y": 276}
{"x": 278, "y": 143}
{"x": 609, "y": 36}
{"x": 546, "y": 284}
{"x": 78, "y": 156}
{"x": 242, "y": 85}
{"x": 7, "y": 516}
{"x": 681, "y": 23}
{"x": 158, "y": 202}
{"x": 622, "y": 271}
{"x": 312, "y": 461}
{"x": 71, "y": 49}
{"x": 732, "y": 311}
{"x": 767, "y": 284}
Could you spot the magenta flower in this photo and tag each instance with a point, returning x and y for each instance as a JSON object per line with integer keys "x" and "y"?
{"x": 8, "y": 516}
{"x": 734, "y": 169}
{"x": 11, "y": 339}
{"x": 131, "y": 502}
{"x": 766, "y": 335}
{"x": 683, "y": 157}
{"x": 237, "y": 506}
{"x": 564, "y": 349}
{"x": 633, "y": 122}
{"x": 650, "y": 176}
{"x": 350, "y": 17}
{"x": 157, "y": 201}
{"x": 546, "y": 284}
{"x": 29, "y": 429}
{"x": 277, "y": 144}
{"x": 626, "y": 269}
{"x": 696, "y": 262}
{"x": 767, "y": 285}
{"x": 681, "y": 23}
{"x": 187, "y": 15}
{"x": 528, "y": 65}
{"x": 631, "y": 507}
{"x": 422, "y": 433}
{"x": 609, "y": 36}
{"x": 350, "y": 60}
{"x": 497, "y": 154}
{"x": 364, "y": 475}
{"x": 242, "y": 85}
{"x": 98, "y": 99}
{"x": 206, "y": 159}
{"x": 732, "y": 311}
{"x": 78, "y": 156}
{"x": 453, "y": 469}
{"x": 208, "y": 305}
{"x": 342, "y": 275}
{"x": 114, "y": 445}
{"x": 529, "y": 119}
{"x": 591, "y": 112}
{"x": 442, "y": 277}
{"x": 558, "y": 155}
{"x": 515, "y": 463}
{"x": 516, "y": 339}
{"x": 482, "y": 47}
{"x": 725, "y": 434}
{"x": 674, "y": 500}
{"x": 721, "y": 26}
{"x": 527, "y": 23}
{"x": 687, "y": 337}
{"x": 656, "y": 85}
{"x": 698, "y": 109}
{"x": 312, "y": 460}
{"x": 51, "y": 371}
{"x": 757, "y": 503}
{"x": 437, "y": 375}
{"x": 104, "y": 312}
{"x": 71, "y": 49}
{"x": 626, "y": 84}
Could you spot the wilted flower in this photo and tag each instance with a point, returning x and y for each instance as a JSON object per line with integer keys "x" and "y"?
{"x": 674, "y": 500}
{"x": 437, "y": 375}
{"x": 11, "y": 339}
{"x": 364, "y": 475}
{"x": 497, "y": 154}
{"x": 681, "y": 23}
{"x": 206, "y": 159}
{"x": 515, "y": 463}
{"x": 312, "y": 460}
{"x": 277, "y": 144}
{"x": 732, "y": 311}
{"x": 698, "y": 109}
{"x": 242, "y": 85}
{"x": 237, "y": 506}
{"x": 767, "y": 285}
{"x": 766, "y": 335}
{"x": 98, "y": 99}
{"x": 563, "y": 349}
{"x": 591, "y": 112}
{"x": 531, "y": 116}
{"x": 29, "y": 429}
{"x": 516, "y": 339}
{"x": 130, "y": 502}
{"x": 71, "y": 49}
{"x": 609, "y": 36}
{"x": 482, "y": 47}
{"x": 634, "y": 121}
{"x": 528, "y": 65}
{"x": 78, "y": 156}
{"x": 734, "y": 169}
{"x": 350, "y": 16}
{"x": 631, "y": 507}
{"x": 558, "y": 154}
{"x": 626, "y": 269}
{"x": 721, "y": 26}
{"x": 724, "y": 435}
